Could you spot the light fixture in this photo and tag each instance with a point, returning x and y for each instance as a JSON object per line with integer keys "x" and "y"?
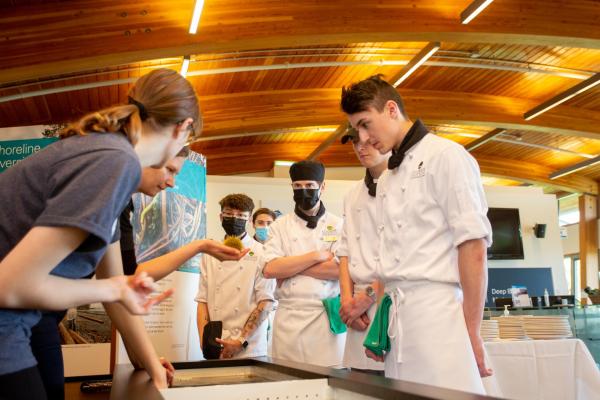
{"x": 184, "y": 66}
{"x": 562, "y": 97}
{"x": 281, "y": 163}
{"x": 574, "y": 168}
{"x": 417, "y": 61}
{"x": 196, "y": 16}
{"x": 473, "y": 10}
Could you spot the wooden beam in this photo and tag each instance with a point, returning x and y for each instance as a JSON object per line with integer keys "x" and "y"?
{"x": 484, "y": 139}
{"x": 334, "y": 137}
{"x": 54, "y": 38}
{"x": 562, "y": 97}
{"x": 588, "y": 241}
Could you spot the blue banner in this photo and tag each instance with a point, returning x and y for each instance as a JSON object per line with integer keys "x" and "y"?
{"x": 13, "y": 151}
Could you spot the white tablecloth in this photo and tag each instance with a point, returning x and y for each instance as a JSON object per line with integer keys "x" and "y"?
{"x": 542, "y": 369}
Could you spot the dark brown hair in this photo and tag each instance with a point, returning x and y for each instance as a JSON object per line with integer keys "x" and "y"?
{"x": 371, "y": 92}
{"x": 263, "y": 211}
{"x": 166, "y": 97}
{"x": 237, "y": 201}
{"x": 184, "y": 152}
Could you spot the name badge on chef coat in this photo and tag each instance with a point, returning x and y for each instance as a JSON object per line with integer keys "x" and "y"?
{"x": 419, "y": 173}
{"x": 331, "y": 234}
{"x": 251, "y": 256}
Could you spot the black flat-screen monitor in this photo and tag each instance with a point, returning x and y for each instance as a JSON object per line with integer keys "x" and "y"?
{"x": 506, "y": 230}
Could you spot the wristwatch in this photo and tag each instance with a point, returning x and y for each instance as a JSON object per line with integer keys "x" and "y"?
{"x": 243, "y": 341}
{"x": 370, "y": 292}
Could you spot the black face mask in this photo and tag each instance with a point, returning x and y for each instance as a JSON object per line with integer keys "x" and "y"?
{"x": 234, "y": 226}
{"x": 306, "y": 199}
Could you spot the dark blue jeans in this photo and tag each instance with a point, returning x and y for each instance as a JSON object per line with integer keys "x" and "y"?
{"x": 45, "y": 344}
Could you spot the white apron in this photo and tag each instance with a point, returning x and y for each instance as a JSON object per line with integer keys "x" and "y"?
{"x": 301, "y": 333}
{"x": 429, "y": 338}
{"x": 354, "y": 352}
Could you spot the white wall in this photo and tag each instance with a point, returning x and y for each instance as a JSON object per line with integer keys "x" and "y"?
{"x": 22, "y": 132}
{"x": 274, "y": 193}
{"x": 534, "y": 207}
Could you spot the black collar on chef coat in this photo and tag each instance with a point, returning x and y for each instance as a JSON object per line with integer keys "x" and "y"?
{"x": 413, "y": 136}
{"x": 371, "y": 184}
{"x": 311, "y": 220}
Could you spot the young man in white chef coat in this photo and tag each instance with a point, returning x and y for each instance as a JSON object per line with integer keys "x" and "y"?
{"x": 434, "y": 234}
{"x": 300, "y": 255}
{"x": 235, "y": 292}
{"x": 359, "y": 286}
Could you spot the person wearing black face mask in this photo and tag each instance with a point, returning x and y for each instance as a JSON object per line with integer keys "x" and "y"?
{"x": 235, "y": 292}
{"x": 300, "y": 255}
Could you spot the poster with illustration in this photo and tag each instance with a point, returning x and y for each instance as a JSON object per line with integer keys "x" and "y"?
{"x": 161, "y": 224}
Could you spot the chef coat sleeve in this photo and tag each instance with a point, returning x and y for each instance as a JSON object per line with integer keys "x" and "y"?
{"x": 274, "y": 245}
{"x": 458, "y": 190}
{"x": 264, "y": 288}
{"x": 202, "y": 295}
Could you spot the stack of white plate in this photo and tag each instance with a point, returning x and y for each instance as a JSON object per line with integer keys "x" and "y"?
{"x": 547, "y": 327}
{"x": 490, "y": 330}
{"x": 511, "y": 327}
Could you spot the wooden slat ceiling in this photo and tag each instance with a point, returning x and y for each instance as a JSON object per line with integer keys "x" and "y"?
{"x": 269, "y": 90}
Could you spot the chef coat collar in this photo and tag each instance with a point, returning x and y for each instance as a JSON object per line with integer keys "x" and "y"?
{"x": 311, "y": 220}
{"x": 414, "y": 135}
{"x": 371, "y": 184}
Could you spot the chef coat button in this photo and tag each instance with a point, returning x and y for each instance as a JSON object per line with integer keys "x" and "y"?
{"x": 397, "y": 258}
{"x": 293, "y": 283}
{"x": 410, "y": 156}
{"x": 241, "y": 267}
{"x": 399, "y": 224}
{"x": 239, "y": 288}
{"x": 403, "y": 188}
{"x": 358, "y": 209}
{"x": 376, "y": 259}
{"x": 381, "y": 227}
{"x": 295, "y": 239}
{"x": 357, "y": 236}
{"x": 236, "y": 309}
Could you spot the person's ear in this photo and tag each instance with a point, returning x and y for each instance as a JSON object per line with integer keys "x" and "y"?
{"x": 183, "y": 129}
{"x": 322, "y": 187}
{"x": 221, "y": 217}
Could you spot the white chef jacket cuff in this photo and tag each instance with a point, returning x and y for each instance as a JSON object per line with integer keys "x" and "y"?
{"x": 200, "y": 298}
{"x": 469, "y": 226}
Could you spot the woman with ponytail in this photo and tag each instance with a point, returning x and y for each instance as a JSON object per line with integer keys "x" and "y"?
{"x": 58, "y": 223}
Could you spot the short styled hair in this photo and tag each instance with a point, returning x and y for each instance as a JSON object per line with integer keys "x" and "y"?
{"x": 237, "y": 201}
{"x": 371, "y": 92}
{"x": 263, "y": 211}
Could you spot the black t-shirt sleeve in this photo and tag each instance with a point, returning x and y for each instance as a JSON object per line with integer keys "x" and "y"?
{"x": 88, "y": 192}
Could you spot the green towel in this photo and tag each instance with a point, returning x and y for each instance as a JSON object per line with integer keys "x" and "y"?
{"x": 377, "y": 339}
{"x": 332, "y": 308}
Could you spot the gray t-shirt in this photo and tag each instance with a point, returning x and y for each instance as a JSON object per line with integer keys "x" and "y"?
{"x": 81, "y": 181}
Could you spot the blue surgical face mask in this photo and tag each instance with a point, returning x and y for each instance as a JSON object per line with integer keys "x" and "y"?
{"x": 262, "y": 234}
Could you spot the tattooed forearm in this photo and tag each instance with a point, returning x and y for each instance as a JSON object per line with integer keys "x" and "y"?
{"x": 257, "y": 316}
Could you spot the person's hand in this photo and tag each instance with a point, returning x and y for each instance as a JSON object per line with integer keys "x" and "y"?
{"x": 322, "y": 256}
{"x": 374, "y": 356}
{"x": 355, "y": 307}
{"x": 478, "y": 350}
{"x": 361, "y": 323}
{"x": 222, "y": 252}
{"x": 230, "y": 347}
{"x": 170, "y": 370}
{"x": 159, "y": 378}
{"x": 135, "y": 293}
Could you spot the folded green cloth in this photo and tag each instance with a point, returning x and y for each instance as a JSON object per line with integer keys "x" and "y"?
{"x": 332, "y": 308}
{"x": 377, "y": 339}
